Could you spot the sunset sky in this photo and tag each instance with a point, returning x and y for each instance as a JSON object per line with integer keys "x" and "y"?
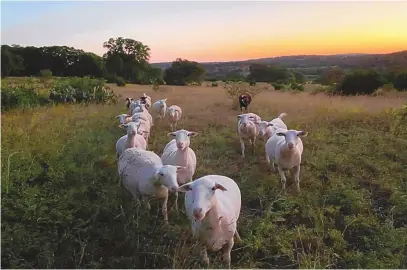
{"x": 211, "y": 30}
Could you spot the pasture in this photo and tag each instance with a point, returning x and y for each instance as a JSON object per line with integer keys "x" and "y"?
{"x": 351, "y": 212}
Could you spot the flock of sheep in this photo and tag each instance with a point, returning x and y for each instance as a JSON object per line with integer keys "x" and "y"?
{"x": 212, "y": 202}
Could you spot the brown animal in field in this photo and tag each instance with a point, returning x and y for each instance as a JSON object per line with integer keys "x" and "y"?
{"x": 244, "y": 101}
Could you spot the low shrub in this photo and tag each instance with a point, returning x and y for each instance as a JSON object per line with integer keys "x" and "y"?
{"x": 20, "y": 97}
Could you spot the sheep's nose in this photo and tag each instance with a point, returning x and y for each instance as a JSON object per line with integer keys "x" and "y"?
{"x": 290, "y": 145}
{"x": 197, "y": 212}
{"x": 180, "y": 145}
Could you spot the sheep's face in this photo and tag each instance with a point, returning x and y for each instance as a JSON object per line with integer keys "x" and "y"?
{"x": 122, "y": 118}
{"x": 171, "y": 112}
{"x": 244, "y": 119}
{"x": 162, "y": 102}
{"x": 167, "y": 176}
{"x": 263, "y": 127}
{"x": 202, "y": 192}
{"x": 292, "y": 137}
{"x": 182, "y": 138}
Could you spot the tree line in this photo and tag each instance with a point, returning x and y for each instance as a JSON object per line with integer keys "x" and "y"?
{"x": 127, "y": 61}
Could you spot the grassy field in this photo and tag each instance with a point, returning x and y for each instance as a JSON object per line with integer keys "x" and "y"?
{"x": 351, "y": 212}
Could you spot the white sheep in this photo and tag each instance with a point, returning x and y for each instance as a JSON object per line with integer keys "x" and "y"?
{"x": 160, "y": 107}
{"x": 247, "y": 129}
{"x": 177, "y": 152}
{"x": 124, "y": 118}
{"x": 285, "y": 149}
{"x": 144, "y": 125}
{"x": 267, "y": 129}
{"x": 131, "y": 139}
{"x": 144, "y": 175}
{"x": 174, "y": 114}
{"x": 146, "y": 100}
{"x": 133, "y": 104}
{"x": 213, "y": 204}
{"x": 141, "y": 108}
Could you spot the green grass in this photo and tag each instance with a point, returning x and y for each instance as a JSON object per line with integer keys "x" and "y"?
{"x": 351, "y": 212}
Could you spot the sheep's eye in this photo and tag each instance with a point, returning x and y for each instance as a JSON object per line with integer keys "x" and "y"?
{"x": 162, "y": 174}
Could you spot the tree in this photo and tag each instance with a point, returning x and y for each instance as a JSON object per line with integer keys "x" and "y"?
{"x": 264, "y": 73}
{"x": 11, "y": 63}
{"x": 299, "y": 77}
{"x": 127, "y": 58}
{"x": 360, "y": 82}
{"x": 183, "y": 72}
{"x": 400, "y": 81}
{"x": 332, "y": 76}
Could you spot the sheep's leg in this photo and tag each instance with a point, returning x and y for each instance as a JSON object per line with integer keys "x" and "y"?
{"x": 164, "y": 210}
{"x": 204, "y": 255}
{"x": 282, "y": 176}
{"x": 176, "y": 202}
{"x": 268, "y": 161}
{"x": 254, "y": 145}
{"x": 226, "y": 251}
{"x": 175, "y": 126}
{"x": 237, "y": 236}
{"x": 296, "y": 176}
{"x": 146, "y": 202}
{"x": 242, "y": 146}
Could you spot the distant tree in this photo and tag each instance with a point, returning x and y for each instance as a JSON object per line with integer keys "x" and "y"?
{"x": 331, "y": 76}
{"x": 400, "y": 81}
{"x": 11, "y": 63}
{"x": 264, "y": 73}
{"x": 127, "y": 58}
{"x": 183, "y": 72}
{"x": 299, "y": 77}
{"x": 360, "y": 82}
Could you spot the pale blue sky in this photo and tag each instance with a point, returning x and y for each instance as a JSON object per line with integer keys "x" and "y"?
{"x": 210, "y": 30}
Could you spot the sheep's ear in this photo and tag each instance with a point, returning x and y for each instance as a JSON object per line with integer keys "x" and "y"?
{"x": 185, "y": 187}
{"x": 219, "y": 186}
{"x": 192, "y": 134}
{"x": 302, "y": 133}
{"x": 165, "y": 99}
{"x": 117, "y": 117}
{"x": 239, "y": 116}
{"x": 270, "y": 124}
{"x": 280, "y": 133}
{"x": 171, "y": 134}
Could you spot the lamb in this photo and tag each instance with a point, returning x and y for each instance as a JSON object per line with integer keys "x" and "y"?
{"x": 160, "y": 107}
{"x": 141, "y": 108}
{"x": 177, "y": 152}
{"x": 244, "y": 101}
{"x": 267, "y": 129}
{"x": 247, "y": 129}
{"x": 131, "y": 139}
{"x": 144, "y": 175}
{"x": 133, "y": 104}
{"x": 144, "y": 125}
{"x": 129, "y": 100}
{"x": 285, "y": 149}
{"x": 146, "y": 100}
{"x": 174, "y": 114}
{"x": 213, "y": 204}
{"x": 124, "y": 118}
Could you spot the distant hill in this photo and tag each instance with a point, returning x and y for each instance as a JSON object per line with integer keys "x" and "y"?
{"x": 309, "y": 63}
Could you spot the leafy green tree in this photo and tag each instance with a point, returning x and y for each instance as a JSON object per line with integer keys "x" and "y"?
{"x": 400, "y": 81}
{"x": 183, "y": 72}
{"x": 332, "y": 76}
{"x": 360, "y": 82}
{"x": 265, "y": 73}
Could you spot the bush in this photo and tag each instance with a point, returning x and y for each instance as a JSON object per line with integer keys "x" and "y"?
{"x": 120, "y": 81}
{"x": 45, "y": 73}
{"x": 400, "y": 81}
{"x": 363, "y": 82}
{"x": 252, "y": 83}
{"x": 20, "y": 97}
{"x": 278, "y": 86}
{"x": 214, "y": 84}
{"x": 77, "y": 90}
{"x": 297, "y": 87}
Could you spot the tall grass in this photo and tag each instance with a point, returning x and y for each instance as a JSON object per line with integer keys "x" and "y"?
{"x": 351, "y": 212}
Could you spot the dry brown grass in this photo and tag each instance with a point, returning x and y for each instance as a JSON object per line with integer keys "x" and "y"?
{"x": 212, "y": 105}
